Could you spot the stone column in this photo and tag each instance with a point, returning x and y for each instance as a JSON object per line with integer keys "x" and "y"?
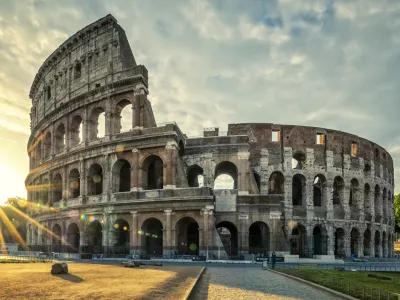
{"x": 134, "y": 233}
{"x": 385, "y": 245}
{"x": 264, "y": 171}
{"x": 309, "y": 198}
{"x": 328, "y": 199}
{"x": 106, "y": 177}
{"x": 171, "y": 161}
{"x": 360, "y": 241}
{"x": 243, "y": 172}
{"x": 288, "y": 197}
{"x": 204, "y": 250}
{"x": 168, "y": 233}
{"x": 372, "y": 243}
{"x": 135, "y": 170}
{"x": 345, "y": 199}
{"x": 86, "y": 122}
{"x": 82, "y": 175}
{"x": 65, "y": 191}
{"x": 347, "y": 244}
{"x": 331, "y": 239}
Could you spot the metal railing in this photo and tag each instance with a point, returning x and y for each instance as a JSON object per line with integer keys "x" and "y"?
{"x": 349, "y": 288}
{"x": 4, "y": 258}
{"x": 345, "y": 267}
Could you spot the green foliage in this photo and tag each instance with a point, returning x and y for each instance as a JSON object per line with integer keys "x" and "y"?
{"x": 397, "y": 209}
{"x": 16, "y": 219}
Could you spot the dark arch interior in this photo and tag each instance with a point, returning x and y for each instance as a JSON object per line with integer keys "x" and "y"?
{"x": 259, "y": 239}
{"x": 338, "y": 186}
{"x": 193, "y": 175}
{"x": 367, "y": 242}
{"x": 94, "y": 238}
{"x": 152, "y": 237}
{"x": 188, "y": 236}
{"x": 73, "y": 238}
{"x": 56, "y": 240}
{"x": 298, "y": 241}
{"x": 95, "y": 180}
{"x": 339, "y": 243}
{"x": 320, "y": 241}
{"x": 155, "y": 172}
{"x": 276, "y": 183}
{"x": 121, "y": 236}
{"x": 122, "y": 176}
{"x": 74, "y": 183}
{"x": 318, "y": 188}
{"x": 354, "y": 242}
{"x": 298, "y": 189}
{"x": 229, "y": 237}
{"x": 57, "y": 188}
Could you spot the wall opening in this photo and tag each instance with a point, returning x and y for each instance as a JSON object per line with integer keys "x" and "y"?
{"x": 121, "y": 237}
{"x": 338, "y": 190}
{"x": 76, "y": 130}
{"x": 57, "y": 188}
{"x": 354, "y": 149}
{"x": 153, "y": 173}
{"x": 95, "y": 180}
{"x": 298, "y": 241}
{"x": 367, "y": 242}
{"x": 226, "y": 176}
{"x": 318, "y": 190}
{"x": 339, "y": 243}
{"x": 276, "y": 135}
{"x": 122, "y": 176}
{"x": 73, "y": 238}
{"x": 259, "y": 239}
{"x": 188, "y": 236}
{"x": 124, "y": 119}
{"x": 320, "y": 138}
{"x": 74, "y": 184}
{"x": 94, "y": 238}
{"x": 298, "y": 160}
{"x": 298, "y": 190}
{"x": 276, "y": 183}
{"x": 229, "y": 237}
{"x": 152, "y": 237}
{"x": 195, "y": 176}
{"x": 60, "y": 137}
{"x": 97, "y": 124}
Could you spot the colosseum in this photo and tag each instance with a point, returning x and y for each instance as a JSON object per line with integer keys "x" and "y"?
{"x": 150, "y": 190}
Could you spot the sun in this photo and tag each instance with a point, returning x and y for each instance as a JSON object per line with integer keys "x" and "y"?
{"x": 11, "y": 183}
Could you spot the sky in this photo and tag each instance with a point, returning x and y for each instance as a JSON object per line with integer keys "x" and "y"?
{"x": 325, "y": 63}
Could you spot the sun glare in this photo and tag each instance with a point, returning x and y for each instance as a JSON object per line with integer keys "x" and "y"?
{"x": 11, "y": 183}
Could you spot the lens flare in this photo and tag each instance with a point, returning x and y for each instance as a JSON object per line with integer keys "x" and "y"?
{"x": 91, "y": 218}
{"x": 83, "y": 217}
{"x": 125, "y": 228}
{"x": 11, "y": 227}
{"x": 116, "y": 226}
{"x": 193, "y": 247}
{"x": 97, "y": 178}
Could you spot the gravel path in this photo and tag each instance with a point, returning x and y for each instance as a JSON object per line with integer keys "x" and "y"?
{"x": 252, "y": 283}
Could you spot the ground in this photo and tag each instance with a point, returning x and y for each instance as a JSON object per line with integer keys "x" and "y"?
{"x": 92, "y": 281}
{"x": 243, "y": 282}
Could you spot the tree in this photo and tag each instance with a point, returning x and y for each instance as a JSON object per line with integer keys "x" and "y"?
{"x": 16, "y": 219}
{"x": 397, "y": 213}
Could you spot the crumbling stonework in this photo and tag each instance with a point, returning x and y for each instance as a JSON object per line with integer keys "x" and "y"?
{"x": 295, "y": 190}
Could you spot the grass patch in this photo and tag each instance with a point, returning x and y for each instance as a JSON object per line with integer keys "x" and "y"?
{"x": 356, "y": 284}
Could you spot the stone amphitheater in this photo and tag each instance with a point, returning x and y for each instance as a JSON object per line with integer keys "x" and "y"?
{"x": 149, "y": 189}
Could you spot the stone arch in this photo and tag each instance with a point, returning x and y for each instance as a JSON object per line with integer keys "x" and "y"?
{"x": 56, "y": 238}
{"x": 153, "y": 172}
{"x": 45, "y": 191}
{"x": 95, "y": 180}
{"x": 94, "y": 237}
{"x": 299, "y": 190}
{"x": 152, "y": 236}
{"x": 195, "y": 176}
{"x": 377, "y": 243}
{"x": 121, "y": 236}
{"x": 367, "y": 194}
{"x": 384, "y": 202}
{"x": 47, "y": 144}
{"x": 355, "y": 242}
{"x": 276, "y": 183}
{"x": 367, "y": 242}
{"x": 338, "y": 190}
{"x": 39, "y": 150}
{"x": 124, "y": 116}
{"x": 121, "y": 172}
{"x": 229, "y": 236}
{"x": 74, "y": 184}
{"x": 298, "y": 160}
{"x": 339, "y": 247}
{"x": 319, "y": 187}
{"x": 298, "y": 240}
{"x": 384, "y": 244}
{"x": 57, "y": 188}
{"x": 187, "y": 231}
{"x": 259, "y": 238}
{"x": 226, "y": 176}
{"x": 97, "y": 118}
{"x": 73, "y": 238}
{"x": 60, "y": 137}
{"x": 44, "y": 239}
{"x": 76, "y": 130}
{"x": 320, "y": 240}
{"x": 354, "y": 195}
{"x": 377, "y": 200}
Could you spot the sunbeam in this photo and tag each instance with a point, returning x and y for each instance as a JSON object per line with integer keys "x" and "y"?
{"x": 12, "y": 229}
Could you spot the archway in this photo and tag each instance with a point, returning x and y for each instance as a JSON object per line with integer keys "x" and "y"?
{"x": 339, "y": 243}
{"x": 44, "y": 241}
{"x": 318, "y": 190}
{"x": 259, "y": 239}
{"x": 367, "y": 242}
{"x": 73, "y": 238}
{"x": 276, "y": 183}
{"x": 377, "y": 243}
{"x": 39, "y": 151}
{"x": 47, "y": 145}
{"x": 298, "y": 190}
{"x": 320, "y": 241}
{"x": 97, "y": 124}
{"x": 377, "y": 202}
{"x": 121, "y": 176}
{"x": 195, "y": 176}
{"x": 354, "y": 193}
{"x": 60, "y": 137}
{"x": 74, "y": 184}
{"x": 153, "y": 173}
{"x": 124, "y": 116}
{"x": 95, "y": 180}
{"x": 94, "y": 238}
{"x": 57, "y": 188}
{"x": 226, "y": 176}
{"x": 188, "y": 236}
{"x": 56, "y": 239}
{"x": 298, "y": 160}
{"x": 121, "y": 237}
{"x": 45, "y": 190}
{"x": 152, "y": 237}
{"x": 338, "y": 190}
{"x": 384, "y": 244}
{"x": 298, "y": 241}
{"x": 354, "y": 242}
{"x": 229, "y": 237}
{"x": 76, "y": 130}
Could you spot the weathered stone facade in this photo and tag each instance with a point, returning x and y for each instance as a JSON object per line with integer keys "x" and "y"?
{"x": 297, "y": 190}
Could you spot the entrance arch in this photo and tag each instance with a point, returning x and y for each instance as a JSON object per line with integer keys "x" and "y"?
{"x": 339, "y": 243}
{"x": 355, "y": 242}
{"x": 73, "y": 238}
{"x": 229, "y": 237}
{"x": 56, "y": 240}
{"x": 152, "y": 237}
{"x": 298, "y": 241}
{"x": 121, "y": 237}
{"x": 259, "y": 238}
{"x": 377, "y": 243}
{"x": 320, "y": 241}
{"x": 187, "y": 230}
{"x": 94, "y": 238}
{"x": 367, "y": 242}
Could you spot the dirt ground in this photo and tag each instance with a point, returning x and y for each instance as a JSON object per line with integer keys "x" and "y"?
{"x": 92, "y": 281}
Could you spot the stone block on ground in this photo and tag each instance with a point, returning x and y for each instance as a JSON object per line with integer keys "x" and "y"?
{"x": 59, "y": 268}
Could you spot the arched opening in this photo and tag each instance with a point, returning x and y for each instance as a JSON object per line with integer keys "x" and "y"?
{"x": 97, "y": 124}
{"x": 121, "y": 233}
{"x": 195, "y": 176}
{"x": 367, "y": 242}
{"x": 73, "y": 238}
{"x": 276, "y": 183}
{"x": 298, "y": 160}
{"x": 188, "y": 236}
{"x": 298, "y": 241}
{"x": 229, "y": 237}
{"x": 339, "y": 243}
{"x": 384, "y": 243}
{"x": 377, "y": 243}
{"x": 226, "y": 176}
{"x": 367, "y": 170}
{"x": 76, "y": 130}
{"x": 60, "y": 137}
{"x": 56, "y": 239}
{"x": 338, "y": 190}
{"x": 74, "y": 184}
{"x": 94, "y": 238}
{"x": 384, "y": 202}
{"x": 44, "y": 241}
{"x": 45, "y": 190}
{"x": 377, "y": 201}
{"x": 39, "y": 151}
{"x": 121, "y": 176}
{"x": 124, "y": 116}
{"x": 257, "y": 179}
{"x": 320, "y": 240}
{"x": 153, "y": 173}
{"x": 259, "y": 239}
{"x": 95, "y": 180}
{"x": 318, "y": 190}
{"x": 47, "y": 145}
{"x": 152, "y": 237}
{"x": 354, "y": 242}
{"x": 367, "y": 202}
{"x": 354, "y": 195}
{"x": 57, "y": 188}
{"x": 298, "y": 190}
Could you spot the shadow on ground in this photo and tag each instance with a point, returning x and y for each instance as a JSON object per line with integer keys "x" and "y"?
{"x": 69, "y": 277}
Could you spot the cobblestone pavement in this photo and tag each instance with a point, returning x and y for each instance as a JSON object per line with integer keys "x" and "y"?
{"x": 252, "y": 283}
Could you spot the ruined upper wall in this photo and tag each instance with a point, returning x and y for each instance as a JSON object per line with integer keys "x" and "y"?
{"x": 95, "y": 56}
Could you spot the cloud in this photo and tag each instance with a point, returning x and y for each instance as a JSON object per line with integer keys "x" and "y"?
{"x": 332, "y": 64}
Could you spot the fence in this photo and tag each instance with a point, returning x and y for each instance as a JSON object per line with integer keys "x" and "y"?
{"x": 24, "y": 258}
{"x": 346, "y": 267}
{"x": 353, "y": 289}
